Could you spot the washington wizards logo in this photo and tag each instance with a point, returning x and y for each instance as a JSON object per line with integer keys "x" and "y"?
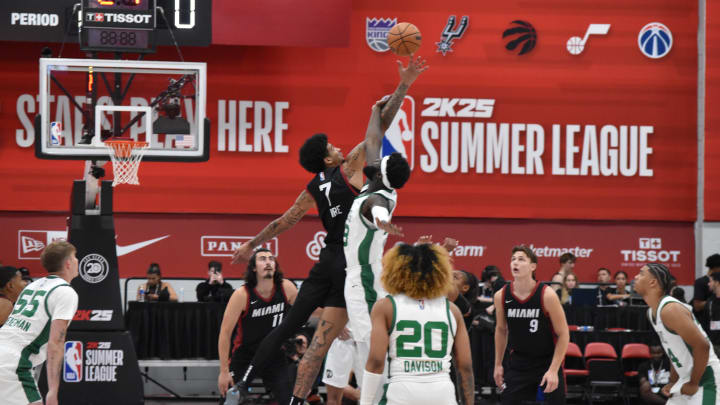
{"x": 451, "y": 33}
{"x": 376, "y": 30}
{"x": 655, "y": 40}
{"x": 523, "y": 33}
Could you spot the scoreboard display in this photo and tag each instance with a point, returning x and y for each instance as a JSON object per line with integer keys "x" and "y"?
{"x": 111, "y": 25}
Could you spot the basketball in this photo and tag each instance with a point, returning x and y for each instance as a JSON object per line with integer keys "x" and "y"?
{"x": 404, "y": 39}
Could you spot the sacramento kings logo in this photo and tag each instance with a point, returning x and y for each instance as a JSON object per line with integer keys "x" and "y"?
{"x": 376, "y": 30}
{"x": 93, "y": 268}
{"x": 655, "y": 40}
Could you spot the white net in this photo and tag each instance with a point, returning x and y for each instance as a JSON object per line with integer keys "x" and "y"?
{"x": 126, "y": 156}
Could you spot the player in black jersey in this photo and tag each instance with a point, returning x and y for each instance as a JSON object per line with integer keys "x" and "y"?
{"x": 336, "y": 183}
{"x": 531, "y": 324}
{"x": 254, "y": 310}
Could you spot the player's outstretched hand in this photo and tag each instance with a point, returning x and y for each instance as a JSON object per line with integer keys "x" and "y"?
{"x": 689, "y": 389}
{"x": 550, "y": 381}
{"x": 378, "y": 106}
{"x": 392, "y": 229}
{"x": 450, "y": 244}
{"x": 225, "y": 381}
{"x": 409, "y": 73}
{"x": 243, "y": 253}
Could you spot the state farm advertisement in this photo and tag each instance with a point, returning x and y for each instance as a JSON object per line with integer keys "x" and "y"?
{"x": 184, "y": 244}
{"x": 561, "y": 111}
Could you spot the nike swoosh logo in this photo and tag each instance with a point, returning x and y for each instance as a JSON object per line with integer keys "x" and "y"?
{"x": 123, "y": 250}
{"x": 507, "y": 302}
{"x": 253, "y": 302}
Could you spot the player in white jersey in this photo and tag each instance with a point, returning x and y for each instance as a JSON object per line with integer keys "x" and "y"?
{"x": 422, "y": 328}
{"x": 695, "y": 373}
{"x": 36, "y": 329}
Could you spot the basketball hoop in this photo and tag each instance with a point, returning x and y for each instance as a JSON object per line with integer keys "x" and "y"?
{"x": 126, "y": 155}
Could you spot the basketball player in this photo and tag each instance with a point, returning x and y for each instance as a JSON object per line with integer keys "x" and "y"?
{"x": 332, "y": 190}
{"x": 259, "y": 305}
{"x": 531, "y": 324}
{"x": 340, "y": 362}
{"x": 11, "y": 284}
{"x": 36, "y": 329}
{"x": 695, "y": 372}
{"x": 417, "y": 327}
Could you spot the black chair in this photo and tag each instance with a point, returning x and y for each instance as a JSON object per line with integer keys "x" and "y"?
{"x": 605, "y": 381}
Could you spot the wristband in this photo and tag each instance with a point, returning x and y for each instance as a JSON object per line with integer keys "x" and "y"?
{"x": 370, "y": 384}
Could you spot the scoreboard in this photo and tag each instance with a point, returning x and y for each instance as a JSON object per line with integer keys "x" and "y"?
{"x": 113, "y": 25}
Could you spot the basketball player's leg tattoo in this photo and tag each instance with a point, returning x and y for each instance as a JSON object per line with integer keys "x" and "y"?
{"x": 311, "y": 361}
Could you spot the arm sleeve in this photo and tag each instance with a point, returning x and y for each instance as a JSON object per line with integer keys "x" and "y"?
{"x": 62, "y": 303}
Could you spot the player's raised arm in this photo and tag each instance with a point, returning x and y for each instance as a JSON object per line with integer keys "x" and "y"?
{"x": 376, "y": 209}
{"x": 679, "y": 319}
{"x": 408, "y": 74}
{"x": 291, "y": 217}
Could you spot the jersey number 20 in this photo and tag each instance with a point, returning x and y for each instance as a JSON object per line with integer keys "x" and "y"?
{"x": 408, "y": 345}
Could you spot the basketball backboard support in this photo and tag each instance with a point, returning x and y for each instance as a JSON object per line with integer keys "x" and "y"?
{"x": 84, "y": 102}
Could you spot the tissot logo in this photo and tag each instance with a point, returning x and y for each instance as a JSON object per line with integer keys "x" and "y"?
{"x": 121, "y": 18}
{"x": 224, "y": 246}
{"x": 650, "y": 243}
{"x": 521, "y": 32}
{"x": 650, "y": 250}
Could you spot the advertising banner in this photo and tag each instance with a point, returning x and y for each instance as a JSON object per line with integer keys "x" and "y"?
{"x": 183, "y": 244}
{"x": 544, "y": 111}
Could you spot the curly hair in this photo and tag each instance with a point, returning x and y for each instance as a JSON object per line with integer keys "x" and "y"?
{"x": 251, "y": 275}
{"x": 420, "y": 272}
{"x": 313, "y": 153}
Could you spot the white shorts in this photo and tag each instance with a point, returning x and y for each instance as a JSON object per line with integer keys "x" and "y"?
{"x": 342, "y": 358}
{"x": 708, "y": 393}
{"x": 361, "y": 293}
{"x": 17, "y": 389}
{"x": 420, "y": 393}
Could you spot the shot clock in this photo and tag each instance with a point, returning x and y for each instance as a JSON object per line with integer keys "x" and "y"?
{"x": 118, "y": 25}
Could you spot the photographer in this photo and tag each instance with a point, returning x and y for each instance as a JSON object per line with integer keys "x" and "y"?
{"x": 294, "y": 349}
{"x": 215, "y": 289}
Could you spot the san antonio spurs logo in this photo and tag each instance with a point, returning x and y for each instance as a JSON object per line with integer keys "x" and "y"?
{"x": 93, "y": 268}
{"x": 450, "y": 33}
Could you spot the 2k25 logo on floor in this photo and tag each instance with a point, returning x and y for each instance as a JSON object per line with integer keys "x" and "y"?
{"x": 400, "y": 135}
{"x": 32, "y": 243}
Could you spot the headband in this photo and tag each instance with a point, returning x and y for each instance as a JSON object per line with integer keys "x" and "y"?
{"x": 383, "y": 172}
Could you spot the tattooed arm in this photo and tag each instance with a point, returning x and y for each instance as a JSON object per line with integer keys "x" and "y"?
{"x": 407, "y": 77}
{"x": 291, "y": 217}
{"x": 463, "y": 358}
{"x": 55, "y": 356}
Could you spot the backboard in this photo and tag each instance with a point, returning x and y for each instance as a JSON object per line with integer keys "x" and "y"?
{"x": 84, "y": 102}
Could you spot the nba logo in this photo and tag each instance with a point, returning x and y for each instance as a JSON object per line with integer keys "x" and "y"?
{"x": 72, "y": 367}
{"x": 55, "y": 133}
{"x": 400, "y": 135}
{"x": 421, "y": 304}
{"x": 655, "y": 40}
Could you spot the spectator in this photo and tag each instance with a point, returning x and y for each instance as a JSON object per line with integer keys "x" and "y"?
{"x": 26, "y": 275}
{"x": 603, "y": 279}
{"x": 556, "y": 283}
{"x": 11, "y": 284}
{"x": 569, "y": 284}
{"x": 492, "y": 281}
{"x": 467, "y": 286}
{"x": 678, "y": 293}
{"x": 654, "y": 374}
{"x": 215, "y": 289}
{"x": 295, "y": 350}
{"x": 567, "y": 264}
{"x": 713, "y": 311}
{"x": 619, "y": 295}
{"x": 155, "y": 289}
{"x": 702, "y": 291}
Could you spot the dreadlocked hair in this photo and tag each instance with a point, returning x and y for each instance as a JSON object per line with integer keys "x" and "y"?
{"x": 662, "y": 275}
{"x": 420, "y": 272}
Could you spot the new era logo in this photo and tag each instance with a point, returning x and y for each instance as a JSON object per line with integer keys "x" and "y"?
{"x": 224, "y": 246}
{"x": 650, "y": 243}
{"x": 32, "y": 243}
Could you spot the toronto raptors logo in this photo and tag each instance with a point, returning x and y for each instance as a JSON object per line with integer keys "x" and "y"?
{"x": 93, "y": 268}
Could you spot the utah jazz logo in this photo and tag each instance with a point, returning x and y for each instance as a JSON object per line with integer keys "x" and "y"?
{"x": 526, "y": 36}
{"x": 450, "y": 33}
{"x": 400, "y": 135}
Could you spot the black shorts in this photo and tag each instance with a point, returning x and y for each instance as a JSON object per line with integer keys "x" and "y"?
{"x": 326, "y": 280}
{"x": 522, "y": 378}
